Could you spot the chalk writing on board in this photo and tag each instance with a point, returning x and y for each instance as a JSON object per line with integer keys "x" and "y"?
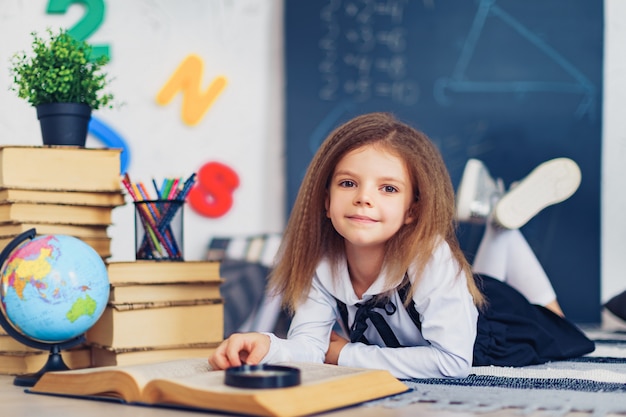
{"x": 459, "y": 83}
{"x": 363, "y": 58}
{"x": 360, "y": 60}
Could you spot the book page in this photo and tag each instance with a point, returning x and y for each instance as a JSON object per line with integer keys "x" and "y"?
{"x": 182, "y": 368}
{"x": 208, "y": 380}
{"x": 144, "y": 373}
{"x": 317, "y": 372}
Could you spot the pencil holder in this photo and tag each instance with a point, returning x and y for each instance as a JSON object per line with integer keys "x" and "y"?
{"x": 159, "y": 230}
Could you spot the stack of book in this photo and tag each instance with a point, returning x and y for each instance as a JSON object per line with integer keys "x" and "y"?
{"x": 59, "y": 190}
{"x": 18, "y": 359}
{"x": 159, "y": 310}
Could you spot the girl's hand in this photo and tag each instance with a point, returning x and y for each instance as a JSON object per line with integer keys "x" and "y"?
{"x": 334, "y": 348}
{"x": 239, "y": 349}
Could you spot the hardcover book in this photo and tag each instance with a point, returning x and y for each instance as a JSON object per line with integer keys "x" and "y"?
{"x": 55, "y": 213}
{"x": 159, "y": 324}
{"x": 108, "y": 356}
{"x": 90, "y": 231}
{"x": 155, "y": 272}
{"x": 63, "y": 168}
{"x": 175, "y": 292}
{"x": 191, "y": 383}
{"x": 78, "y": 198}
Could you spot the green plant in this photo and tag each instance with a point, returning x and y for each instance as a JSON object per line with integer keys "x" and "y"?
{"x": 60, "y": 71}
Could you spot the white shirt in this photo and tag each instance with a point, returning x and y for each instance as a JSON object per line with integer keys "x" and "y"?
{"x": 444, "y": 348}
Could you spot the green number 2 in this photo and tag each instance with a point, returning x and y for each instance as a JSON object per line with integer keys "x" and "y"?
{"x": 85, "y": 27}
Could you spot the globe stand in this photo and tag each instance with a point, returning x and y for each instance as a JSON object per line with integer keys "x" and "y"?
{"x": 55, "y": 362}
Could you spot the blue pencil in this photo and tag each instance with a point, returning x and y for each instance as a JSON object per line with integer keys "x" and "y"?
{"x": 156, "y": 189}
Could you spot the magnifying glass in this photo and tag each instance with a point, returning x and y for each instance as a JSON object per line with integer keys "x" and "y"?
{"x": 262, "y": 376}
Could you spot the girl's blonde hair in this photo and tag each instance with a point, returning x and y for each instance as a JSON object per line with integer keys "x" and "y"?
{"x": 310, "y": 236}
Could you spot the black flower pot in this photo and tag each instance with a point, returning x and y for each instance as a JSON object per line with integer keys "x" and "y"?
{"x": 64, "y": 123}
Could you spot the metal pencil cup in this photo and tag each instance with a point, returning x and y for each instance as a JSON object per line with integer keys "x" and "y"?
{"x": 159, "y": 230}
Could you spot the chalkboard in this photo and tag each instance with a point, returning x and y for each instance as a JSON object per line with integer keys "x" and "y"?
{"x": 510, "y": 82}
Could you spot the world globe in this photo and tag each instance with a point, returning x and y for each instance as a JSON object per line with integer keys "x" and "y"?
{"x": 53, "y": 289}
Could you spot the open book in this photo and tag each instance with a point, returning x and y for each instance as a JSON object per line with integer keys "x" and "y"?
{"x": 191, "y": 383}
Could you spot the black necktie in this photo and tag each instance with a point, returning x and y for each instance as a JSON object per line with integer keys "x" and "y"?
{"x": 366, "y": 311}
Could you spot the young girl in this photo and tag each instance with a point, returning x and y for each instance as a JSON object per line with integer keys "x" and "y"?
{"x": 371, "y": 246}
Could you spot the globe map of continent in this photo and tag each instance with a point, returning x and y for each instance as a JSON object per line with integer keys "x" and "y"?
{"x": 54, "y": 288}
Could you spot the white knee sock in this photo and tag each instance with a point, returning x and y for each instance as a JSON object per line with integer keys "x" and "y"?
{"x": 506, "y": 255}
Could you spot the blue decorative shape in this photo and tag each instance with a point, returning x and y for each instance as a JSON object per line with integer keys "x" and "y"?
{"x": 111, "y": 139}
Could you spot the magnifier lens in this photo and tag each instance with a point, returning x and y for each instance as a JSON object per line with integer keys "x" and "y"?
{"x": 262, "y": 376}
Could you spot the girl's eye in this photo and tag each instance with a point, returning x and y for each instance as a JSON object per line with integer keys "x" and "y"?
{"x": 390, "y": 189}
{"x": 346, "y": 183}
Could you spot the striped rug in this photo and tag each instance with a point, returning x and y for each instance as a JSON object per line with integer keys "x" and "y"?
{"x": 595, "y": 384}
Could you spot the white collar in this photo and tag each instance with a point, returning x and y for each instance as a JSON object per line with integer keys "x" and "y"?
{"x": 340, "y": 286}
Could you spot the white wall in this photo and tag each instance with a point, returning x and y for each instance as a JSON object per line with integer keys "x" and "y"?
{"x": 614, "y": 151}
{"x": 240, "y": 40}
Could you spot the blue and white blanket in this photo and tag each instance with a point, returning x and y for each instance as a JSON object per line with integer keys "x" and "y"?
{"x": 595, "y": 384}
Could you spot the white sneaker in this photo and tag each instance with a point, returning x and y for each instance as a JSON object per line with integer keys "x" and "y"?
{"x": 476, "y": 194}
{"x": 549, "y": 183}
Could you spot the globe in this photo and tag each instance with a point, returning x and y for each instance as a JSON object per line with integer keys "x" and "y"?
{"x": 54, "y": 288}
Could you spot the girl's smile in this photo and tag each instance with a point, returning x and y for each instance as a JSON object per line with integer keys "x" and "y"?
{"x": 361, "y": 219}
{"x": 369, "y": 196}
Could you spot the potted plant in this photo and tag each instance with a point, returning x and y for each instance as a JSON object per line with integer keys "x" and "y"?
{"x": 63, "y": 84}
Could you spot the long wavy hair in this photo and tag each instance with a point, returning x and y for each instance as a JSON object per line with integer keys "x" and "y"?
{"x": 310, "y": 236}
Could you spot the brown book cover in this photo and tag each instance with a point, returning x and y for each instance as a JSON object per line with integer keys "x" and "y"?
{"x": 93, "y": 231}
{"x": 147, "y": 293}
{"x": 60, "y": 168}
{"x": 78, "y": 198}
{"x": 159, "y": 324}
{"x": 9, "y": 344}
{"x": 101, "y": 245}
{"x": 191, "y": 383}
{"x": 54, "y": 213}
{"x": 108, "y": 356}
{"x": 153, "y": 272}
{"x": 28, "y": 362}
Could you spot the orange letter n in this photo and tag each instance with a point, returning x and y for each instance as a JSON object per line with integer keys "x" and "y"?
{"x": 187, "y": 79}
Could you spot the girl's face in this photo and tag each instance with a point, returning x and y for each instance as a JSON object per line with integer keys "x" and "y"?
{"x": 369, "y": 196}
